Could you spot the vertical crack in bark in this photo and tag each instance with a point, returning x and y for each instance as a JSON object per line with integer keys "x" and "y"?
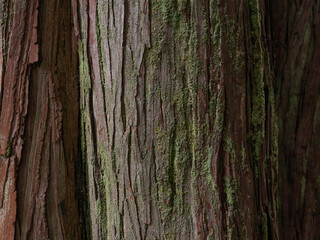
{"x": 123, "y": 62}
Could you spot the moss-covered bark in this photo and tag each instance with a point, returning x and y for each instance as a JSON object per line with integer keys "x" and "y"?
{"x": 198, "y": 119}
{"x": 178, "y": 111}
{"x": 183, "y": 124}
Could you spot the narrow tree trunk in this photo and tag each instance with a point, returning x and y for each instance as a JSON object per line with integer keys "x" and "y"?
{"x": 297, "y": 48}
{"x": 38, "y": 121}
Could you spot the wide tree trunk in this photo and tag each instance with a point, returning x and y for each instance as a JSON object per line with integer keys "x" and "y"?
{"x": 198, "y": 119}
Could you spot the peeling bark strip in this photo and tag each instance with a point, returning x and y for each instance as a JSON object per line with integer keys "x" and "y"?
{"x": 38, "y": 121}
{"x": 179, "y": 103}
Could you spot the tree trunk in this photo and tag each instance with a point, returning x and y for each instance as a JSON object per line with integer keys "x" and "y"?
{"x": 297, "y": 49}
{"x": 198, "y": 119}
{"x": 38, "y": 121}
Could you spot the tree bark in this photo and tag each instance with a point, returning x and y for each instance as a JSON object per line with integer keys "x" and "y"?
{"x": 194, "y": 118}
{"x": 179, "y": 119}
{"x": 297, "y": 48}
{"x": 38, "y": 121}
{"x": 198, "y": 119}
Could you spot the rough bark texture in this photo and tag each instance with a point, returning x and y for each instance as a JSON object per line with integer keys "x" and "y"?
{"x": 38, "y": 121}
{"x": 199, "y": 119}
{"x": 178, "y": 118}
{"x": 297, "y": 38}
{"x": 180, "y": 123}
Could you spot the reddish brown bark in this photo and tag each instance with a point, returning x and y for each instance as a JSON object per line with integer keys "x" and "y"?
{"x": 199, "y": 119}
{"x": 38, "y": 121}
{"x": 178, "y": 118}
{"x": 198, "y": 111}
{"x": 297, "y": 48}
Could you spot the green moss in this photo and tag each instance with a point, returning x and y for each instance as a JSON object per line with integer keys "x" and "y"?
{"x": 265, "y": 227}
{"x": 85, "y": 81}
{"x": 193, "y": 63}
{"x": 211, "y": 184}
{"x": 100, "y": 208}
{"x": 257, "y": 113}
{"x": 101, "y": 33}
{"x": 205, "y": 35}
{"x": 237, "y": 56}
{"x": 243, "y": 158}
{"x": 228, "y": 146}
{"x": 105, "y": 184}
{"x": 166, "y": 8}
{"x": 244, "y": 233}
{"x": 174, "y": 139}
{"x": 168, "y": 11}
{"x": 165, "y": 148}
{"x": 216, "y": 44}
{"x": 230, "y": 191}
{"x": 8, "y": 151}
{"x": 6, "y": 189}
{"x": 219, "y": 115}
